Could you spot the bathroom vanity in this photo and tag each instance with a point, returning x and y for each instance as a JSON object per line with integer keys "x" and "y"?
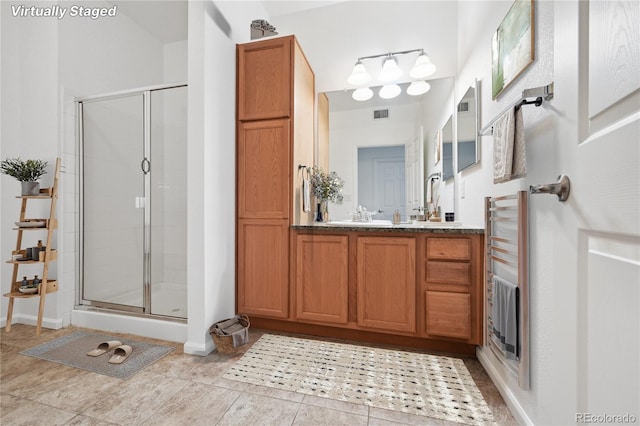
{"x": 416, "y": 285}
{"x": 409, "y": 285}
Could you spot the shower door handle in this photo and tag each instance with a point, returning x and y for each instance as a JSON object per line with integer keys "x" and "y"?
{"x": 145, "y": 165}
{"x": 141, "y": 202}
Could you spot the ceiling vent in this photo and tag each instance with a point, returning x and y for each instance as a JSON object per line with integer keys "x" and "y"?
{"x": 463, "y": 107}
{"x": 379, "y": 114}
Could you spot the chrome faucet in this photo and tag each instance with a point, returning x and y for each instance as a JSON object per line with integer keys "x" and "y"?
{"x": 361, "y": 215}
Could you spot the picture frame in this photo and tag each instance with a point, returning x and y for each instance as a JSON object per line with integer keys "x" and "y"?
{"x": 512, "y": 46}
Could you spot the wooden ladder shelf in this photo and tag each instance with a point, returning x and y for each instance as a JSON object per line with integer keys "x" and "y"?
{"x": 47, "y": 285}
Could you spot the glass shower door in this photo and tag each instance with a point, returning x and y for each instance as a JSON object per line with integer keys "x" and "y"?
{"x": 168, "y": 188}
{"x": 113, "y": 218}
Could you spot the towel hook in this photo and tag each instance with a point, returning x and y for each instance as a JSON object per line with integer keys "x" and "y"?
{"x": 561, "y": 188}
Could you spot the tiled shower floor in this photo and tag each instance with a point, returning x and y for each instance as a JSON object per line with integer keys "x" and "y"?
{"x": 178, "y": 390}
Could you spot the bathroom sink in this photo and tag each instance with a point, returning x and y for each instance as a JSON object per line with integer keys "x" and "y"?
{"x": 427, "y": 224}
{"x": 374, "y": 223}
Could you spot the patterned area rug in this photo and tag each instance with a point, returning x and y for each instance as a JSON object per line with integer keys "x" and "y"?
{"x": 71, "y": 350}
{"x": 428, "y": 385}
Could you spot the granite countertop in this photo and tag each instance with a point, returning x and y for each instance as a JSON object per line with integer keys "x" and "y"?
{"x": 432, "y": 228}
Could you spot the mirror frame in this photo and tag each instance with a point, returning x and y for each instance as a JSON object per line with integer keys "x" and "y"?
{"x": 476, "y": 140}
{"x": 447, "y": 157}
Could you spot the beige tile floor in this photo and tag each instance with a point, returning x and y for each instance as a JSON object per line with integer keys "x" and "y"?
{"x": 179, "y": 389}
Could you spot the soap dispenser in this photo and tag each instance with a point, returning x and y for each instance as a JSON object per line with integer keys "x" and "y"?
{"x": 396, "y": 217}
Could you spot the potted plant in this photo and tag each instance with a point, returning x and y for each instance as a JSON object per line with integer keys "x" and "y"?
{"x": 27, "y": 172}
{"x": 326, "y": 187}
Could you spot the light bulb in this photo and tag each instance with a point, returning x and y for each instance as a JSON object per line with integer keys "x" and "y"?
{"x": 390, "y": 70}
{"x": 389, "y": 91}
{"x": 418, "y": 88}
{"x": 359, "y": 75}
{"x": 362, "y": 94}
{"x": 423, "y": 67}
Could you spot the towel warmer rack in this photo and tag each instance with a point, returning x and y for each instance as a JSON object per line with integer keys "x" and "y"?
{"x": 507, "y": 255}
{"x": 543, "y": 93}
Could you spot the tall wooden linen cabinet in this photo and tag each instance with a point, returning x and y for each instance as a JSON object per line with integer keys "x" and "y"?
{"x": 274, "y": 135}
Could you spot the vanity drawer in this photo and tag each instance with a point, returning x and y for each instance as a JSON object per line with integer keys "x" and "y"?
{"x": 448, "y": 314}
{"x": 449, "y": 248}
{"x": 448, "y": 272}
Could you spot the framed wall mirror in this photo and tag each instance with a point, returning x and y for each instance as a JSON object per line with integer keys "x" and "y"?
{"x": 401, "y": 131}
{"x": 447, "y": 149}
{"x": 467, "y": 129}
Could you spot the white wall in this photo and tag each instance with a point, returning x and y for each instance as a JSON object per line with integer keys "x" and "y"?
{"x": 47, "y": 62}
{"x": 476, "y": 22}
{"x": 328, "y": 34}
{"x": 214, "y": 29}
{"x": 29, "y": 130}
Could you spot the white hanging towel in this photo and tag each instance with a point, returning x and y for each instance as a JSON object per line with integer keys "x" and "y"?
{"x": 306, "y": 196}
{"x": 509, "y": 151}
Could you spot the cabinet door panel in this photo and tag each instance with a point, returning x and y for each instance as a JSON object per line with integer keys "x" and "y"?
{"x": 386, "y": 283}
{"x": 263, "y": 267}
{"x": 322, "y": 278}
{"x": 264, "y": 79}
{"x": 263, "y": 171}
{"x": 448, "y": 314}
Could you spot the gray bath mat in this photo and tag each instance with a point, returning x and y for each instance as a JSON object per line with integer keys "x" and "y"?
{"x": 71, "y": 350}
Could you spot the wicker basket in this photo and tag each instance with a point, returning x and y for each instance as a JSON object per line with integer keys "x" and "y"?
{"x": 224, "y": 344}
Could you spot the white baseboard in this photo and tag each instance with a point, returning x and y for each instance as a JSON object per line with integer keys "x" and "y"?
{"x": 51, "y": 323}
{"x": 488, "y": 361}
{"x": 146, "y": 327}
{"x": 192, "y": 348}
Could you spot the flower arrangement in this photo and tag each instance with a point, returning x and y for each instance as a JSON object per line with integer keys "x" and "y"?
{"x": 23, "y": 170}
{"x": 326, "y": 186}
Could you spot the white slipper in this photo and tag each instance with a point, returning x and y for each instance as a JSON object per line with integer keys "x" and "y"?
{"x": 104, "y": 347}
{"x": 120, "y": 354}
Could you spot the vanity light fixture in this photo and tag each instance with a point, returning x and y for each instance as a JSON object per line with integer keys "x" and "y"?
{"x": 390, "y": 75}
{"x": 362, "y": 94}
{"x": 389, "y": 91}
{"x": 359, "y": 75}
{"x": 417, "y": 88}
{"x": 423, "y": 67}
{"x": 390, "y": 70}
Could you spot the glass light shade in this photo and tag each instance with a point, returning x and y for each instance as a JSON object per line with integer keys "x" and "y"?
{"x": 359, "y": 75}
{"x": 362, "y": 94}
{"x": 390, "y": 70}
{"x": 389, "y": 91}
{"x": 423, "y": 67}
{"x": 418, "y": 88}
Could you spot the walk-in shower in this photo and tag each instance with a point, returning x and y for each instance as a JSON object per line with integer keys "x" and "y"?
{"x": 133, "y": 202}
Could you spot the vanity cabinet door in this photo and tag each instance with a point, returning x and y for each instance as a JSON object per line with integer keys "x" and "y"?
{"x": 386, "y": 283}
{"x": 322, "y": 278}
{"x": 263, "y": 169}
{"x": 265, "y": 79}
{"x": 448, "y": 314}
{"x": 263, "y": 267}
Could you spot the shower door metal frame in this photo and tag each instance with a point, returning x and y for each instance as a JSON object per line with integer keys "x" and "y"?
{"x": 81, "y": 302}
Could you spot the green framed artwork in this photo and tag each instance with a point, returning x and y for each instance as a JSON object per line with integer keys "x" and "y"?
{"x": 512, "y": 46}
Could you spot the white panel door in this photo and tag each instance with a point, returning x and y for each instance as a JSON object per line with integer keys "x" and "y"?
{"x": 388, "y": 189}
{"x": 414, "y": 173}
{"x": 597, "y": 267}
